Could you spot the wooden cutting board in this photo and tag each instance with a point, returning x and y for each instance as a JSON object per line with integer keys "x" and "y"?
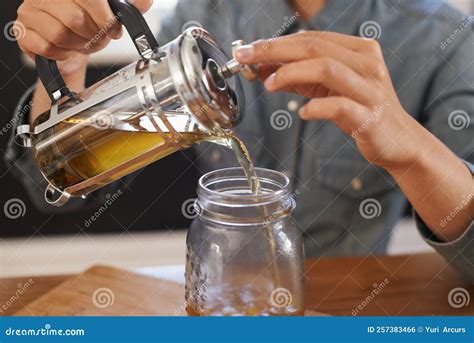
{"x": 108, "y": 291}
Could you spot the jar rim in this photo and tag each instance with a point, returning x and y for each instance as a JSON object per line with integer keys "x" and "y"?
{"x": 225, "y": 198}
{"x": 268, "y": 178}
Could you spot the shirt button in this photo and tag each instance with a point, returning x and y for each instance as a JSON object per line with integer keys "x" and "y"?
{"x": 293, "y": 105}
{"x": 216, "y": 156}
{"x": 356, "y": 184}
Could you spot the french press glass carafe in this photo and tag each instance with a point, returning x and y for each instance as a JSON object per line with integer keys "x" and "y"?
{"x": 172, "y": 97}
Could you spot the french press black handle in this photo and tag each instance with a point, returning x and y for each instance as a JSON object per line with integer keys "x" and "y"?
{"x": 137, "y": 27}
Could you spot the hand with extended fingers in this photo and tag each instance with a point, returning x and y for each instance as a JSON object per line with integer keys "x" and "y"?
{"x": 347, "y": 81}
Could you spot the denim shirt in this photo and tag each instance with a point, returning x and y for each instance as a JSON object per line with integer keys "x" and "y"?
{"x": 346, "y": 206}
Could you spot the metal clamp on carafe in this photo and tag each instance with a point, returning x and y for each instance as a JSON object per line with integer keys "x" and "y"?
{"x": 172, "y": 97}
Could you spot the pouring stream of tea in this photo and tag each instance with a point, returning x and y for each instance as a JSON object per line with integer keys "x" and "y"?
{"x": 243, "y": 157}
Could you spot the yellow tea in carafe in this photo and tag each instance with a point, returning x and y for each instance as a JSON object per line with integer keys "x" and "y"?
{"x": 99, "y": 156}
{"x": 75, "y": 152}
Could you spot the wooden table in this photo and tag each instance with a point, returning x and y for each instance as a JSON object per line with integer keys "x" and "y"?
{"x": 375, "y": 285}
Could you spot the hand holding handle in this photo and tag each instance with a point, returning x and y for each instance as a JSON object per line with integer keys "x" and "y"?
{"x": 136, "y": 26}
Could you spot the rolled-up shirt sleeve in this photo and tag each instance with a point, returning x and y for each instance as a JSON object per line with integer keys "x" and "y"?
{"x": 458, "y": 253}
{"x": 448, "y": 114}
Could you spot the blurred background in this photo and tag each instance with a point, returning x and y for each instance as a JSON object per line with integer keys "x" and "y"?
{"x": 125, "y": 235}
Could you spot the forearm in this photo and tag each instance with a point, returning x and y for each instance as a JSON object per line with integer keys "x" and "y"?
{"x": 438, "y": 185}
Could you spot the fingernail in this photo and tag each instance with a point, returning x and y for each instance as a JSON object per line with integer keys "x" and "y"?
{"x": 244, "y": 53}
{"x": 270, "y": 82}
{"x": 115, "y": 32}
{"x": 302, "y": 111}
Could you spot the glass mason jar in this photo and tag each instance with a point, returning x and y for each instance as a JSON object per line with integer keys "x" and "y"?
{"x": 244, "y": 253}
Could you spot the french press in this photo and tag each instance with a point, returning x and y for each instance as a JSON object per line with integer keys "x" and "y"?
{"x": 172, "y": 97}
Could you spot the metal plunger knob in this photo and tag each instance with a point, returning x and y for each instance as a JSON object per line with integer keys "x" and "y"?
{"x": 233, "y": 67}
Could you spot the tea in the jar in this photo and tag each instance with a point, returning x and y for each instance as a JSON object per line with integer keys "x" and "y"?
{"x": 245, "y": 296}
{"x": 242, "y": 309}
